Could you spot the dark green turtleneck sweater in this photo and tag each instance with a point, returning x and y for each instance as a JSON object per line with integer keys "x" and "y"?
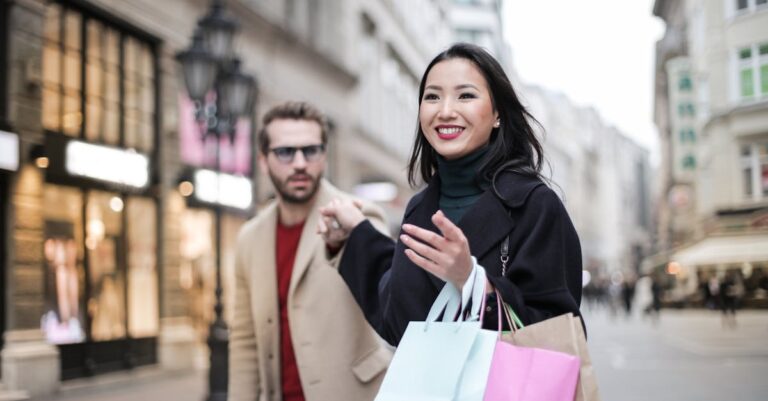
{"x": 459, "y": 186}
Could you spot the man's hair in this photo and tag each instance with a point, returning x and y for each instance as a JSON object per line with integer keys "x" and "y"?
{"x": 292, "y": 111}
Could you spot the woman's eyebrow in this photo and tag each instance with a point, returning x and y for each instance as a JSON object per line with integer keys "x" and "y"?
{"x": 457, "y": 87}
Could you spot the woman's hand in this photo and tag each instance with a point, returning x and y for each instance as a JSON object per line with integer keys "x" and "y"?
{"x": 337, "y": 219}
{"x": 446, "y": 256}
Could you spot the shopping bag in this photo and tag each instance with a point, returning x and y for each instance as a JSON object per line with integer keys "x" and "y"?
{"x": 529, "y": 373}
{"x": 444, "y": 360}
{"x": 564, "y": 334}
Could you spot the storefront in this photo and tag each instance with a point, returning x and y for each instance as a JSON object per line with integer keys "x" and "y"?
{"x": 100, "y": 198}
{"x": 212, "y": 191}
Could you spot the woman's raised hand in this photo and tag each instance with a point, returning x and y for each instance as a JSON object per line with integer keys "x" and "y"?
{"x": 446, "y": 256}
{"x": 337, "y": 219}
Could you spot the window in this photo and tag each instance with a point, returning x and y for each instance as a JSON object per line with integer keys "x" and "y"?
{"x": 106, "y": 275}
{"x": 689, "y": 162}
{"x": 143, "y": 303}
{"x": 687, "y": 135}
{"x": 753, "y": 71}
{"x": 686, "y": 109}
{"x": 685, "y": 84}
{"x": 746, "y": 73}
{"x": 98, "y": 81}
{"x": 63, "y": 318}
{"x": 747, "y": 6}
{"x": 91, "y": 261}
{"x": 754, "y": 170}
{"x": 763, "y": 51}
{"x": 468, "y": 35}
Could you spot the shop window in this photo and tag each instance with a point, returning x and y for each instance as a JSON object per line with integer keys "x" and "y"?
{"x": 198, "y": 264}
{"x": 199, "y": 258}
{"x": 92, "y": 259}
{"x": 98, "y": 81}
{"x": 63, "y": 319}
{"x": 143, "y": 312}
{"x": 106, "y": 304}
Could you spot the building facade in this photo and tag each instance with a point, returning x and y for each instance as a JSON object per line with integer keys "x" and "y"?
{"x": 712, "y": 113}
{"x": 603, "y": 178}
{"x": 108, "y": 253}
{"x": 480, "y": 22}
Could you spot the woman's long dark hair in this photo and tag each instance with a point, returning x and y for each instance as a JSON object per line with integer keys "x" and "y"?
{"x": 512, "y": 147}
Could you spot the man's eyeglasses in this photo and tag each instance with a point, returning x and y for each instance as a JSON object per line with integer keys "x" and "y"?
{"x": 285, "y": 154}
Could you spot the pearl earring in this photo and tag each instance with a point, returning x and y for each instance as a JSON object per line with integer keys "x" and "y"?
{"x": 496, "y": 124}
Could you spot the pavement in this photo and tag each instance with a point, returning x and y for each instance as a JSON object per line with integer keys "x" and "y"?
{"x": 685, "y": 355}
{"x": 142, "y": 384}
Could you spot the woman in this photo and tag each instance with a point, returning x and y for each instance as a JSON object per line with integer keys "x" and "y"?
{"x": 484, "y": 198}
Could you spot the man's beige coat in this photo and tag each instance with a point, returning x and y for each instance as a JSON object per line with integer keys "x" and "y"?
{"x": 339, "y": 355}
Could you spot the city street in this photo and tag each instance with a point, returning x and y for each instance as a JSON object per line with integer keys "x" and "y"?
{"x": 686, "y": 356}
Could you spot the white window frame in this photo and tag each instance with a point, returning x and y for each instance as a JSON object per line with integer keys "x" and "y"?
{"x": 732, "y": 10}
{"x": 755, "y": 62}
{"x": 752, "y": 161}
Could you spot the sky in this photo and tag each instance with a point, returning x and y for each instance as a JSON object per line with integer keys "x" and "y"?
{"x": 599, "y": 53}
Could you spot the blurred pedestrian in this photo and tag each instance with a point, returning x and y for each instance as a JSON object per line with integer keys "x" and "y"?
{"x": 484, "y": 203}
{"x": 297, "y": 333}
{"x": 653, "y": 308}
{"x": 731, "y": 292}
{"x": 714, "y": 291}
{"x": 628, "y": 294}
{"x": 656, "y": 293}
{"x": 615, "y": 289}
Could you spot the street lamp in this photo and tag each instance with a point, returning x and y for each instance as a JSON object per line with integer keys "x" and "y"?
{"x": 209, "y": 67}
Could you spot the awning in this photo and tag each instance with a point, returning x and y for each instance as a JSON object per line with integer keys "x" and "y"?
{"x": 725, "y": 249}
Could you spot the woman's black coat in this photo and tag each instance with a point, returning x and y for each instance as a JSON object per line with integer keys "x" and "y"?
{"x": 543, "y": 274}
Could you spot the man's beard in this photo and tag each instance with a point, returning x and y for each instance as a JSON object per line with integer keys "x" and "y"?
{"x": 287, "y": 196}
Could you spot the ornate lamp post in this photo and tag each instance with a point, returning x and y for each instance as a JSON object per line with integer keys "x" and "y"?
{"x": 210, "y": 69}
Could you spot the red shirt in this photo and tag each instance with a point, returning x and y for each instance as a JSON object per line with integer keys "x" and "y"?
{"x": 285, "y": 253}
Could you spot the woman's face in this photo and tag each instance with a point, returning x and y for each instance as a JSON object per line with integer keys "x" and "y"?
{"x": 456, "y": 112}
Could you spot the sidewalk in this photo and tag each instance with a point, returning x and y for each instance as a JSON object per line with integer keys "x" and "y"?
{"x": 144, "y": 384}
{"x": 687, "y": 355}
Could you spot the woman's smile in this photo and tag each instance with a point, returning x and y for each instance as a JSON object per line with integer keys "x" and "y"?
{"x": 449, "y": 132}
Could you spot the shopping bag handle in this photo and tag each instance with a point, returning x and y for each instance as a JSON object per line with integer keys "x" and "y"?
{"x": 452, "y": 303}
{"x": 512, "y": 319}
{"x": 478, "y": 293}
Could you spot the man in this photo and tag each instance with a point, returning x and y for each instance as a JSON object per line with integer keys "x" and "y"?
{"x": 297, "y": 333}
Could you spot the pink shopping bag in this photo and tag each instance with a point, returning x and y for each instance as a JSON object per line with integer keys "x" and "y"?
{"x": 529, "y": 374}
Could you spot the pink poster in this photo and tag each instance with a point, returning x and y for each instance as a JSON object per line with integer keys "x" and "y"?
{"x": 200, "y": 151}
